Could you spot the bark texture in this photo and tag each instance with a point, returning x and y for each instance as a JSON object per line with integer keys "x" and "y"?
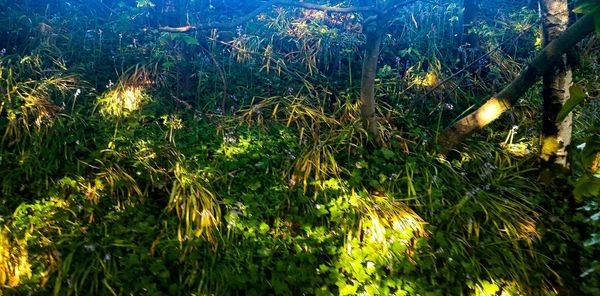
{"x": 502, "y": 101}
{"x": 374, "y": 36}
{"x": 556, "y": 136}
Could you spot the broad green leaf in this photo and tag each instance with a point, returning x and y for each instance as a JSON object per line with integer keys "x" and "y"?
{"x": 590, "y": 6}
{"x": 587, "y": 6}
{"x": 263, "y": 227}
{"x": 346, "y": 289}
{"x": 577, "y": 96}
{"x": 489, "y": 288}
{"x": 592, "y": 147}
{"x": 593, "y": 240}
{"x": 586, "y": 187}
{"x": 387, "y": 154}
{"x": 189, "y": 40}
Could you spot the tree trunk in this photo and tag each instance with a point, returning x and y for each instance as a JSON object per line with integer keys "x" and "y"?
{"x": 494, "y": 107}
{"x": 556, "y": 136}
{"x": 374, "y": 36}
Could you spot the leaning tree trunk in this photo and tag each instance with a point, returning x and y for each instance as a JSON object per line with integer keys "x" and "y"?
{"x": 502, "y": 101}
{"x": 374, "y": 36}
{"x": 556, "y": 136}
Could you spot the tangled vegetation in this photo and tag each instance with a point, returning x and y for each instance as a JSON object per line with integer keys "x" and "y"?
{"x": 137, "y": 160}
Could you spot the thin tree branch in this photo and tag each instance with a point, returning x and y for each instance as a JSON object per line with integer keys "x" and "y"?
{"x": 265, "y": 6}
{"x": 320, "y": 7}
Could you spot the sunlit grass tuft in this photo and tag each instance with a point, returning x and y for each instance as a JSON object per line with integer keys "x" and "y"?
{"x": 384, "y": 220}
{"x": 14, "y": 260}
{"x": 129, "y": 94}
{"x": 27, "y": 102}
{"x": 122, "y": 101}
{"x": 195, "y": 204}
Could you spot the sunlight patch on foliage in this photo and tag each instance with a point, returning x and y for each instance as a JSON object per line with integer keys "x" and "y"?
{"x": 130, "y": 93}
{"x": 520, "y": 148}
{"x": 233, "y": 146}
{"x": 381, "y": 238}
{"x": 24, "y": 101}
{"x": 195, "y": 204}
{"x": 14, "y": 260}
{"x": 385, "y": 220}
{"x": 429, "y": 80}
{"x": 122, "y": 101}
{"x": 493, "y": 287}
{"x": 30, "y": 224}
{"x": 550, "y": 145}
{"x": 317, "y": 162}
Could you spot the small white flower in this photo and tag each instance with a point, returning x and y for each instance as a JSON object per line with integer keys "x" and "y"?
{"x": 318, "y": 206}
{"x": 581, "y": 146}
{"x": 231, "y": 224}
{"x": 229, "y": 139}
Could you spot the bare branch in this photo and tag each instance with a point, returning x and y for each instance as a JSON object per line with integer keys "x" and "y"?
{"x": 267, "y": 5}
{"x": 313, "y": 6}
{"x": 178, "y": 29}
{"x": 230, "y": 25}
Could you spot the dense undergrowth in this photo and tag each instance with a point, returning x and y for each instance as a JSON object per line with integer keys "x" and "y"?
{"x": 138, "y": 183}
